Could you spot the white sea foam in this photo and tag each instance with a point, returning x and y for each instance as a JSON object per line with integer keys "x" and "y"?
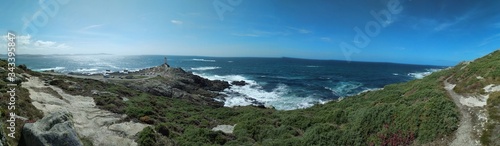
{"x": 370, "y": 90}
{"x": 203, "y": 60}
{"x": 312, "y": 66}
{"x": 343, "y": 89}
{"x": 54, "y": 68}
{"x": 279, "y": 97}
{"x": 87, "y": 70}
{"x": 421, "y": 75}
{"x": 205, "y": 68}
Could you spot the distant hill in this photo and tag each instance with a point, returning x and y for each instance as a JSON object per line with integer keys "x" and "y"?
{"x": 63, "y": 54}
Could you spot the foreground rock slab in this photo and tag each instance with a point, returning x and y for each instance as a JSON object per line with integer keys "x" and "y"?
{"x": 101, "y": 127}
{"x": 55, "y": 129}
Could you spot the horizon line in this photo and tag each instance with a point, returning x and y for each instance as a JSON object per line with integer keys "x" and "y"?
{"x": 282, "y": 57}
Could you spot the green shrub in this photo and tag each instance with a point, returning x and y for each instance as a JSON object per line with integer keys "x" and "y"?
{"x": 147, "y": 137}
{"x": 202, "y": 136}
{"x": 491, "y": 133}
{"x": 139, "y": 111}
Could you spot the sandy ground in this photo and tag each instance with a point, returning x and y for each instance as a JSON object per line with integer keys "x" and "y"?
{"x": 98, "y": 125}
{"x": 464, "y": 135}
{"x": 491, "y": 88}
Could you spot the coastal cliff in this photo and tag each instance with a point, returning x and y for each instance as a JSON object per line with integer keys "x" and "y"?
{"x": 168, "y": 106}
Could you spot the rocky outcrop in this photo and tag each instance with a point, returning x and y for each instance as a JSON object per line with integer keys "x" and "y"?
{"x": 55, "y": 129}
{"x": 239, "y": 83}
{"x": 177, "y": 83}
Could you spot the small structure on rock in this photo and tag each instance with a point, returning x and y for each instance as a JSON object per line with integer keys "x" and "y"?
{"x": 165, "y": 63}
{"x": 105, "y": 75}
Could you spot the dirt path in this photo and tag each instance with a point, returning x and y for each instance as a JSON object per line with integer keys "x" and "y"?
{"x": 464, "y": 134}
{"x": 100, "y": 126}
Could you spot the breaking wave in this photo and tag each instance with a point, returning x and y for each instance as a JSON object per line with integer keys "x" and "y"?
{"x": 343, "y": 89}
{"x": 280, "y": 97}
{"x": 421, "y": 75}
{"x": 204, "y": 60}
{"x": 53, "y": 68}
{"x": 204, "y": 68}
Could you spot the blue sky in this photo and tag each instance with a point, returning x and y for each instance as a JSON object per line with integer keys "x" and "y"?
{"x": 438, "y": 32}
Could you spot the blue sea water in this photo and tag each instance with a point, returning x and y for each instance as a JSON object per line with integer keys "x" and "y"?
{"x": 284, "y": 83}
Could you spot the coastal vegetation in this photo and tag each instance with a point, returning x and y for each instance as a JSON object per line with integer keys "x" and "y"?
{"x": 472, "y": 77}
{"x": 23, "y": 106}
{"x": 416, "y": 112}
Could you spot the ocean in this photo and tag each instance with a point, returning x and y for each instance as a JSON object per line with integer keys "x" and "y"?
{"x": 285, "y": 83}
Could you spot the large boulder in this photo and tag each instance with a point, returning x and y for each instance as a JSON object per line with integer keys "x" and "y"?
{"x": 55, "y": 129}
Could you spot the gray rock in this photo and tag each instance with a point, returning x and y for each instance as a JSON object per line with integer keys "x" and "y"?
{"x": 228, "y": 129}
{"x": 95, "y": 92}
{"x": 55, "y": 129}
{"x": 239, "y": 83}
{"x": 2, "y": 70}
{"x": 3, "y": 140}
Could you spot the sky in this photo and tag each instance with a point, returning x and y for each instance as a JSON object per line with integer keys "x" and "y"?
{"x": 433, "y": 32}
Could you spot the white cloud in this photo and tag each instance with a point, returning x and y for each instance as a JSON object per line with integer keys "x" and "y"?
{"x": 177, "y": 22}
{"x": 24, "y": 40}
{"x": 494, "y": 38}
{"x": 21, "y": 40}
{"x": 40, "y": 43}
{"x": 457, "y": 20}
{"x": 91, "y": 27}
{"x": 444, "y": 26}
{"x": 26, "y": 45}
{"x": 326, "y": 39}
{"x": 299, "y": 30}
{"x": 271, "y": 33}
{"x": 260, "y": 33}
{"x": 245, "y": 35}
{"x": 497, "y": 25}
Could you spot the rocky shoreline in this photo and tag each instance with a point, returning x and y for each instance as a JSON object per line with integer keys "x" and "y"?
{"x": 72, "y": 117}
{"x": 171, "y": 82}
